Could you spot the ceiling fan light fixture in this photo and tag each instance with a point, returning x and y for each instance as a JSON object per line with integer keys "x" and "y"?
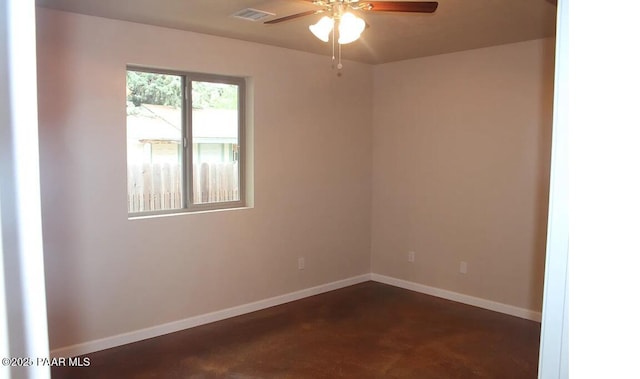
{"x": 322, "y": 28}
{"x": 350, "y": 28}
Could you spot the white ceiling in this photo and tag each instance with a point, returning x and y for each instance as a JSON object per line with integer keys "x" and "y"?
{"x": 456, "y": 25}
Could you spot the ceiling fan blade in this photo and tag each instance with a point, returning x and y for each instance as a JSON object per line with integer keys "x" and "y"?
{"x": 402, "y": 6}
{"x": 293, "y": 16}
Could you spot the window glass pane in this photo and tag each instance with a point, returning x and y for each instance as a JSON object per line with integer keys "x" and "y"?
{"x": 215, "y": 142}
{"x": 154, "y": 141}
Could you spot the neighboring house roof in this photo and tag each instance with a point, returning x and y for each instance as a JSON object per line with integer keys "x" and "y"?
{"x": 163, "y": 123}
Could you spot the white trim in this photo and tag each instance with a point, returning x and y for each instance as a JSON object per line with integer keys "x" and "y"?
{"x": 170, "y": 327}
{"x": 460, "y": 298}
{"x": 158, "y": 330}
{"x": 553, "y": 357}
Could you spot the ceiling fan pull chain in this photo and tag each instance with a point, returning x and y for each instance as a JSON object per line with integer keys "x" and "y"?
{"x": 333, "y": 47}
{"x": 339, "y": 57}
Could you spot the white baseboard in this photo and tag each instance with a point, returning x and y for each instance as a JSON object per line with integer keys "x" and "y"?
{"x": 158, "y": 330}
{"x": 460, "y": 298}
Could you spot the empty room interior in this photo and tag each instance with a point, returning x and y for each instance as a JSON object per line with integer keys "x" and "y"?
{"x": 407, "y": 170}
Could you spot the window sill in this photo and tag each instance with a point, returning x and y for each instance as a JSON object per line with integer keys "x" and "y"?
{"x": 184, "y": 212}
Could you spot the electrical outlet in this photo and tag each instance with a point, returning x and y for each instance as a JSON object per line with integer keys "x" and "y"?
{"x": 411, "y": 257}
{"x": 463, "y": 267}
{"x": 301, "y": 263}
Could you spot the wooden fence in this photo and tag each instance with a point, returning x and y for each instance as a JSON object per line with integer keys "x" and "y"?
{"x": 154, "y": 187}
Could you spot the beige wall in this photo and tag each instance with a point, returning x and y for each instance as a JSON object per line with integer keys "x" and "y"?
{"x": 106, "y": 274}
{"x": 461, "y": 146}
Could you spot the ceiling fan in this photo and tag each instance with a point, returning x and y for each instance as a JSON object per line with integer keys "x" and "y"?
{"x": 336, "y": 7}
{"x": 350, "y": 26}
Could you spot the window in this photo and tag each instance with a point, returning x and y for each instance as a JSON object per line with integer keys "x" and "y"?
{"x": 184, "y": 141}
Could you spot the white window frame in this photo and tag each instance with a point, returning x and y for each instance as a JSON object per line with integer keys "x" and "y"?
{"x": 188, "y": 204}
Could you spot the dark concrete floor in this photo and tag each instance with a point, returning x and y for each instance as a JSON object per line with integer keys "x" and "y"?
{"x": 369, "y": 330}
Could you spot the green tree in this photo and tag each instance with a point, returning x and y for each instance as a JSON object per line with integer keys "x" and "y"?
{"x": 151, "y": 88}
{"x": 163, "y": 89}
{"x": 214, "y": 95}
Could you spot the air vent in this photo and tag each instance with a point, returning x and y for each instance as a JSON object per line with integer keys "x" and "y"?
{"x": 252, "y": 14}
